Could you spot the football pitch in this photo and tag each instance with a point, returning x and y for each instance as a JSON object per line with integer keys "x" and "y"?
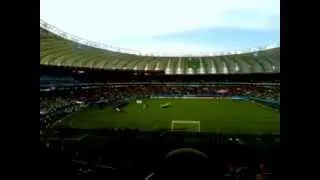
{"x": 205, "y": 115}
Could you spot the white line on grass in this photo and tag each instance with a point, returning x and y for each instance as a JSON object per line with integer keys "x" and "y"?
{"x": 267, "y": 107}
{"x": 60, "y": 120}
{"x": 154, "y": 127}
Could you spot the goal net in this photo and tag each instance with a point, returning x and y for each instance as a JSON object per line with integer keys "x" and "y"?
{"x": 191, "y": 126}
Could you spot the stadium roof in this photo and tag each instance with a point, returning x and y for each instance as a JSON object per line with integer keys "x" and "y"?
{"x": 62, "y": 49}
{"x": 66, "y": 35}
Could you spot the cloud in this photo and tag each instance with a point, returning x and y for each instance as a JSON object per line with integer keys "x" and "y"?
{"x": 113, "y": 19}
{"x": 174, "y": 48}
{"x": 168, "y": 47}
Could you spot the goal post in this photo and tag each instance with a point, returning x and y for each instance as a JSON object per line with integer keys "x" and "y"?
{"x": 183, "y": 125}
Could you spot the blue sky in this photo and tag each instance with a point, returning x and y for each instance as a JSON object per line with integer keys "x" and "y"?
{"x": 172, "y": 26}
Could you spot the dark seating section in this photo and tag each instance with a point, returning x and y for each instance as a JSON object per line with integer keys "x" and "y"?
{"x": 124, "y": 153}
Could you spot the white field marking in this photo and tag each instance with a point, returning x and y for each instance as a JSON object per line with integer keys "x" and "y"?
{"x": 149, "y": 176}
{"x": 60, "y": 120}
{"x": 267, "y": 107}
{"x": 184, "y": 122}
{"x": 68, "y": 139}
{"x": 154, "y": 126}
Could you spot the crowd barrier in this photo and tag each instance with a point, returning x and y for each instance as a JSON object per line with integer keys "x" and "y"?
{"x": 187, "y": 97}
{"x": 269, "y": 103}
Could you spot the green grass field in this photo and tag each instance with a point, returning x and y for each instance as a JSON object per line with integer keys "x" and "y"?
{"x": 228, "y": 116}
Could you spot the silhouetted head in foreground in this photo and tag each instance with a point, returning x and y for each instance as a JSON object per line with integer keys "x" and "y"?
{"x": 185, "y": 163}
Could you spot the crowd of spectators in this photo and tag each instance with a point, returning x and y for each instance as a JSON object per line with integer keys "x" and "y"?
{"x": 263, "y": 92}
{"x": 57, "y": 103}
{"x": 52, "y": 101}
{"x": 50, "y": 104}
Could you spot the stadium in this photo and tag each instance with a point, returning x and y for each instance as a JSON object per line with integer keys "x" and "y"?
{"x": 64, "y": 53}
{"x": 107, "y": 108}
